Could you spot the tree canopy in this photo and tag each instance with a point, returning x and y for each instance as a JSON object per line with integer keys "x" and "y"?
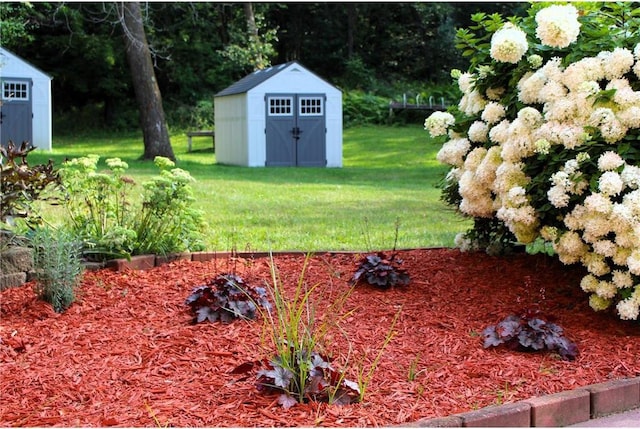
{"x": 200, "y": 48}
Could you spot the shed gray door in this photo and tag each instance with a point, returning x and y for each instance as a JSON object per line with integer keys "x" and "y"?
{"x": 296, "y": 130}
{"x": 16, "y": 115}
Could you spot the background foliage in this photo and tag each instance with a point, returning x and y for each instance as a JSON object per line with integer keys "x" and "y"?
{"x": 383, "y": 49}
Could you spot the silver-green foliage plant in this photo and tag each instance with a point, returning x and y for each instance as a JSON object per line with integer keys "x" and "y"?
{"x": 117, "y": 218}
{"x": 57, "y": 264}
{"x": 546, "y": 139}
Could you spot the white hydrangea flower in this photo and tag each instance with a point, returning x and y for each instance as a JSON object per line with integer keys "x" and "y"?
{"x": 472, "y": 103}
{"x": 609, "y": 160}
{"x": 628, "y": 309}
{"x": 553, "y": 90}
{"x": 630, "y": 116}
{"x": 558, "y": 26}
{"x": 606, "y": 289}
{"x": 598, "y": 304}
{"x": 569, "y": 135}
{"x": 610, "y": 183}
{"x": 616, "y": 63}
{"x": 549, "y": 233}
{"x": 610, "y": 127}
{"x": 589, "y": 283}
{"x": 605, "y": 248}
{"x": 500, "y": 132}
{"x": 636, "y": 52}
{"x": 535, "y": 61}
{"x": 508, "y": 44}
{"x": 438, "y": 123}
{"x": 631, "y": 176}
{"x": 493, "y": 112}
{"x": 466, "y": 82}
{"x": 530, "y": 116}
{"x": 486, "y": 170}
{"x": 495, "y": 93}
{"x": 633, "y": 262}
{"x": 598, "y": 203}
{"x": 570, "y": 247}
{"x": 478, "y": 132}
{"x": 595, "y": 264}
{"x": 453, "y": 152}
{"x": 622, "y": 279}
{"x": 558, "y": 196}
{"x": 530, "y": 87}
{"x": 508, "y": 175}
{"x": 586, "y": 69}
{"x": 463, "y": 243}
{"x": 621, "y": 256}
{"x": 624, "y": 95}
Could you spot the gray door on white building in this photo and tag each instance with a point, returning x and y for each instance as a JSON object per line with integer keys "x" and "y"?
{"x": 296, "y": 130}
{"x": 16, "y": 114}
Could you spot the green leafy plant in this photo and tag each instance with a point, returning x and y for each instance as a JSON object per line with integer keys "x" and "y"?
{"x": 22, "y": 184}
{"x": 105, "y": 210}
{"x": 226, "y": 298}
{"x": 58, "y": 266}
{"x": 530, "y": 331}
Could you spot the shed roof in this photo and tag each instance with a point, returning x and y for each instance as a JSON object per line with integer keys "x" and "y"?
{"x": 5, "y": 57}
{"x": 256, "y": 78}
{"x": 252, "y": 80}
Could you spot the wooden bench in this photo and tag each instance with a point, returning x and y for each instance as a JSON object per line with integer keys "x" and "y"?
{"x": 192, "y": 134}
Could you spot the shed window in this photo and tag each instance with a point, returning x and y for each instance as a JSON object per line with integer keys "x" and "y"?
{"x": 310, "y": 106}
{"x": 280, "y": 106}
{"x": 15, "y": 90}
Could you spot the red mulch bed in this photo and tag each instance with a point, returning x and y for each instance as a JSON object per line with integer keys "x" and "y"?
{"x": 126, "y": 353}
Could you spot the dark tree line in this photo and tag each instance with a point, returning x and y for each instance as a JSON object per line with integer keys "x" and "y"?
{"x": 198, "y": 49}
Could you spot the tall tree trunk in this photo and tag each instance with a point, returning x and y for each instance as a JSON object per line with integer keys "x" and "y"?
{"x": 252, "y": 29}
{"x": 148, "y": 97}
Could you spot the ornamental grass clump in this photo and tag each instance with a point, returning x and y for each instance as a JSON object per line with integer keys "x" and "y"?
{"x": 545, "y": 141}
{"x": 299, "y": 367}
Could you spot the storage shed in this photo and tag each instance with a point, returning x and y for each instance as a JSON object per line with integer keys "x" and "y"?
{"x": 281, "y": 116}
{"x": 25, "y": 102}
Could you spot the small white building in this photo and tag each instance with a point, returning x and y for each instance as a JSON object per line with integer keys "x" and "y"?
{"x": 25, "y": 102}
{"x": 280, "y": 116}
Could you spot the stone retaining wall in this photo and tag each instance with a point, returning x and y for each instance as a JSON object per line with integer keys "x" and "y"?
{"x": 16, "y": 264}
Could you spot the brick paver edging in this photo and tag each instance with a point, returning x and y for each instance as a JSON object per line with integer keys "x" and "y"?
{"x": 555, "y": 410}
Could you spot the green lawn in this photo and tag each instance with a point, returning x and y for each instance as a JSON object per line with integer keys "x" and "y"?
{"x": 388, "y": 176}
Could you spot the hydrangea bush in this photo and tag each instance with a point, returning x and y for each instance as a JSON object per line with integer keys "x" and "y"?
{"x": 546, "y": 139}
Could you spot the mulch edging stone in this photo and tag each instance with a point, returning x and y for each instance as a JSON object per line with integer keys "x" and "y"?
{"x": 559, "y": 409}
{"x": 556, "y": 410}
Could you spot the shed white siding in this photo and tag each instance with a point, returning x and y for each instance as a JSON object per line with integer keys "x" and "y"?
{"x": 12, "y": 66}
{"x": 240, "y": 114}
{"x": 232, "y": 129}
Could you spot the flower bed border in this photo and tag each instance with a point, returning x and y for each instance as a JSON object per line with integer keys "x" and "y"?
{"x": 559, "y": 409}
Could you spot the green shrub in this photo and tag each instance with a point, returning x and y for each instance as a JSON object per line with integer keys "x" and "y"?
{"x": 102, "y": 209}
{"x": 57, "y": 264}
{"x": 359, "y": 108}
